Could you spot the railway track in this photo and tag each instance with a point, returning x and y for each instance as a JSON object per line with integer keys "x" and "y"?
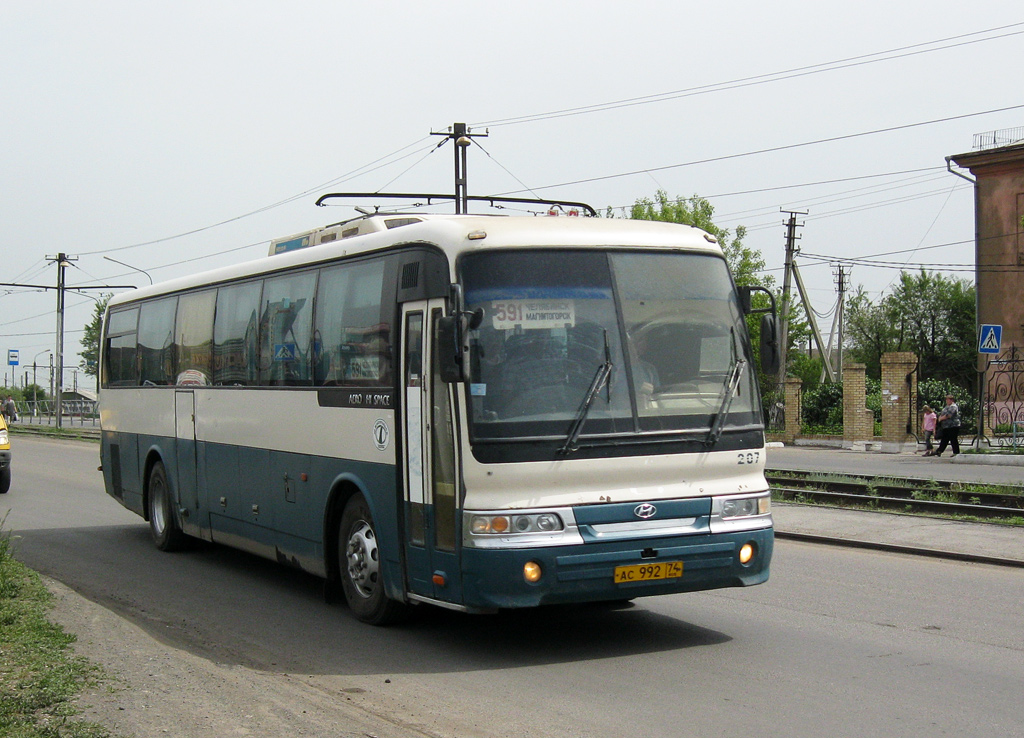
{"x": 919, "y": 496}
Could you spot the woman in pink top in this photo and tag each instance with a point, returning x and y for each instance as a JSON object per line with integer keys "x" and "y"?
{"x": 928, "y": 426}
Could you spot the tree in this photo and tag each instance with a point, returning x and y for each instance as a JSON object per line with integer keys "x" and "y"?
{"x": 870, "y": 331}
{"x": 927, "y": 313}
{"x": 90, "y": 352}
{"x": 938, "y": 324}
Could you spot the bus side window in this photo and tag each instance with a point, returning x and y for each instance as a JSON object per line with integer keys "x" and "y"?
{"x": 234, "y": 334}
{"x": 156, "y": 333}
{"x": 194, "y": 338}
{"x": 286, "y": 326}
{"x": 119, "y": 360}
{"x": 352, "y": 345}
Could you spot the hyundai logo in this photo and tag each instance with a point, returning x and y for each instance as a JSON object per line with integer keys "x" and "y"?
{"x": 646, "y": 510}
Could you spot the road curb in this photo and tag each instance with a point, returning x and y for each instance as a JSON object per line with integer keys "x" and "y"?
{"x": 897, "y": 548}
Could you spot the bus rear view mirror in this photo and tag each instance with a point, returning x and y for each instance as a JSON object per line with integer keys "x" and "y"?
{"x": 449, "y": 352}
{"x": 769, "y": 344}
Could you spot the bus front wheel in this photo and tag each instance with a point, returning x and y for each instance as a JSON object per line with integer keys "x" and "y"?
{"x": 5, "y": 480}
{"x": 163, "y": 524}
{"x": 359, "y": 562}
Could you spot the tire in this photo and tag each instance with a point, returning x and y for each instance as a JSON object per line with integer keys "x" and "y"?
{"x": 359, "y": 565}
{"x": 5, "y": 480}
{"x": 163, "y": 523}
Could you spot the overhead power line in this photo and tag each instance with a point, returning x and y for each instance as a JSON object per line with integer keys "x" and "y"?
{"x": 305, "y": 193}
{"x": 853, "y": 61}
{"x": 773, "y": 149}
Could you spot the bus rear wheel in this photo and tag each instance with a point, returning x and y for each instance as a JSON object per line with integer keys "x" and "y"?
{"x": 359, "y": 563}
{"x": 163, "y": 525}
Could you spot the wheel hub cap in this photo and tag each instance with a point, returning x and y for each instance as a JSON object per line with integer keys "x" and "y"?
{"x": 363, "y": 561}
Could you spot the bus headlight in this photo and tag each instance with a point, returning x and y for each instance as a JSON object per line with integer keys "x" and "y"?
{"x": 741, "y": 512}
{"x": 512, "y": 524}
{"x": 744, "y": 507}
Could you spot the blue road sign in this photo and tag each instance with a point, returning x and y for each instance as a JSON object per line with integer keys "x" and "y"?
{"x": 12, "y": 357}
{"x": 991, "y": 338}
{"x": 285, "y": 352}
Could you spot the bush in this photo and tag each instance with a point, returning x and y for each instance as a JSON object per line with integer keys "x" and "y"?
{"x": 822, "y": 407}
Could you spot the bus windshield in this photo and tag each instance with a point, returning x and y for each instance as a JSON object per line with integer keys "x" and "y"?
{"x": 664, "y": 327}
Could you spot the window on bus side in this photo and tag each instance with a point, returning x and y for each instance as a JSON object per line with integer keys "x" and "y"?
{"x": 352, "y": 343}
{"x": 234, "y": 334}
{"x": 120, "y": 369}
{"x": 286, "y": 326}
{"x": 194, "y": 338}
{"x": 156, "y": 333}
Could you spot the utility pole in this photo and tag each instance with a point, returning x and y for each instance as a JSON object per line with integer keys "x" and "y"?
{"x": 791, "y": 250}
{"x": 822, "y": 350}
{"x": 843, "y": 282}
{"x": 840, "y": 274}
{"x": 461, "y": 134}
{"x": 63, "y": 261}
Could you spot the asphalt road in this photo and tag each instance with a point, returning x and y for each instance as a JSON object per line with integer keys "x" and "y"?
{"x": 840, "y": 642}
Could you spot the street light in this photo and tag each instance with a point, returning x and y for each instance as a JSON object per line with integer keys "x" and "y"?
{"x": 134, "y": 269}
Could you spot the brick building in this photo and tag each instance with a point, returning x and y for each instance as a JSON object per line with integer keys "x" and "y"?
{"x": 997, "y": 164}
{"x": 998, "y": 168}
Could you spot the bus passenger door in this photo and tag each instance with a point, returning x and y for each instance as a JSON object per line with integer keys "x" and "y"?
{"x": 185, "y": 432}
{"x": 429, "y": 463}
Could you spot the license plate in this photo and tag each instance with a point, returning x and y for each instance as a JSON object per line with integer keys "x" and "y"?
{"x": 648, "y": 572}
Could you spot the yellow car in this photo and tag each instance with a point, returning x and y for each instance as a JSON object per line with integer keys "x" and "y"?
{"x": 5, "y": 457}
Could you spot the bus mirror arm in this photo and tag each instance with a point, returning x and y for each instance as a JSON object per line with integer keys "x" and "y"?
{"x": 770, "y": 353}
{"x": 746, "y": 300}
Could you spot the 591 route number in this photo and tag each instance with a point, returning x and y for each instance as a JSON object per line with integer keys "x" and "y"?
{"x": 751, "y": 457}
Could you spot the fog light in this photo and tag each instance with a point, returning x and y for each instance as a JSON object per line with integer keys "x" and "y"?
{"x": 531, "y": 572}
{"x": 746, "y": 553}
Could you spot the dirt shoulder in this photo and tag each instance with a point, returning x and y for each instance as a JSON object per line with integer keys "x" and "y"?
{"x": 160, "y": 690}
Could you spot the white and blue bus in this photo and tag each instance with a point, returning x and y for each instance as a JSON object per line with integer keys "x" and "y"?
{"x": 474, "y": 412}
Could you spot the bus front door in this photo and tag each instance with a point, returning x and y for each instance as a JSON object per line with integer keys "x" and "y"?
{"x": 431, "y": 497}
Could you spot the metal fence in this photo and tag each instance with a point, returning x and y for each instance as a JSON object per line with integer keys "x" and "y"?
{"x": 995, "y": 139}
{"x": 44, "y": 412}
{"x": 1004, "y": 398}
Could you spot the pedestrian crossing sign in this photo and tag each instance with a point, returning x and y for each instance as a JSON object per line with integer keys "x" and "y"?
{"x": 991, "y": 338}
{"x": 285, "y": 352}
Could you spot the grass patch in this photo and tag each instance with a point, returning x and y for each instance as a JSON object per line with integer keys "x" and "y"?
{"x": 40, "y": 675}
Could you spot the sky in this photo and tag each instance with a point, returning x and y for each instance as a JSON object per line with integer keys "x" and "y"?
{"x": 180, "y": 137}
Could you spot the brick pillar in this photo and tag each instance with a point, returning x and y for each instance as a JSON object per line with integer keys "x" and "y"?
{"x": 858, "y": 421}
{"x": 791, "y": 396}
{"x": 897, "y": 399}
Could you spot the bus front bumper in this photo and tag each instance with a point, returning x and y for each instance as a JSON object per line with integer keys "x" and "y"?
{"x": 494, "y": 578}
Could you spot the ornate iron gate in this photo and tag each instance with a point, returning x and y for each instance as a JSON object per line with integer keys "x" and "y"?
{"x": 1004, "y": 398}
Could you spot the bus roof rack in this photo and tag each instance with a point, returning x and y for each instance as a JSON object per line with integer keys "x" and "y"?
{"x": 428, "y": 198}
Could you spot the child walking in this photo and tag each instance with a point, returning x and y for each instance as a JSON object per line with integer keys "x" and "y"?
{"x": 928, "y": 426}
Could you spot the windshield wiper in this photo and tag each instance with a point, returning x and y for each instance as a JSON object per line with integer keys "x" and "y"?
{"x": 723, "y": 410}
{"x": 600, "y": 380}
